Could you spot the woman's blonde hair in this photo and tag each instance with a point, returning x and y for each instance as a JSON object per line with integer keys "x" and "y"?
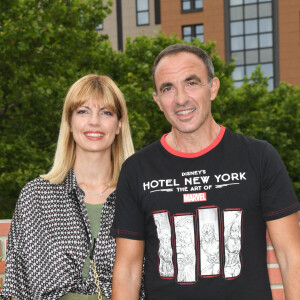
{"x": 91, "y": 86}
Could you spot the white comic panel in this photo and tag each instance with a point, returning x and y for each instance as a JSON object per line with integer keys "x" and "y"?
{"x": 165, "y": 252}
{"x": 185, "y": 248}
{"x": 232, "y": 243}
{"x": 209, "y": 241}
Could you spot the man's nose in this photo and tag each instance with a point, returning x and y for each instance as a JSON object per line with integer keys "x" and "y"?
{"x": 181, "y": 96}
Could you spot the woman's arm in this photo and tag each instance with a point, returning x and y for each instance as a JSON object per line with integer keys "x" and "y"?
{"x": 16, "y": 279}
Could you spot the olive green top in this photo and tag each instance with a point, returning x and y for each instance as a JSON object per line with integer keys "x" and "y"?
{"x": 94, "y": 213}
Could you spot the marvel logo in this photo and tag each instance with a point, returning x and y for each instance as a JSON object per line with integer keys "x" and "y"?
{"x": 194, "y": 197}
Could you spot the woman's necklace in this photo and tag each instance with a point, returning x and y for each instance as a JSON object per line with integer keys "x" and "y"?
{"x": 95, "y": 193}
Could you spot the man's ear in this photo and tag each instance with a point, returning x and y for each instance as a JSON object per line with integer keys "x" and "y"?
{"x": 215, "y": 85}
{"x": 155, "y": 97}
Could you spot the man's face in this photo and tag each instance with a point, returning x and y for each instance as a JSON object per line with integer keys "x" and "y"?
{"x": 184, "y": 93}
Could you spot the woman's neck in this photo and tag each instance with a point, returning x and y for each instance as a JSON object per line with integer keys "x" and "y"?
{"x": 93, "y": 169}
{"x": 93, "y": 173}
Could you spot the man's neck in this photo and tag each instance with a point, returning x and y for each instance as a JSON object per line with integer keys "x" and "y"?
{"x": 195, "y": 141}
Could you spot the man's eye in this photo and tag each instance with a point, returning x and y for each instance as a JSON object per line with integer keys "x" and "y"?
{"x": 167, "y": 89}
{"x": 192, "y": 83}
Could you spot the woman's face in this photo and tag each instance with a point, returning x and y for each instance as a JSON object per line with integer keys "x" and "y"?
{"x": 94, "y": 127}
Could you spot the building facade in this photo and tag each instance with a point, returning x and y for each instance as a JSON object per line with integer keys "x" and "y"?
{"x": 264, "y": 32}
{"x": 131, "y": 18}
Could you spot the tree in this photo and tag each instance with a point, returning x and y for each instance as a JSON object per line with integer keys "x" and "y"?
{"x": 252, "y": 110}
{"x": 134, "y": 76}
{"x": 45, "y": 46}
{"x": 273, "y": 116}
{"x": 41, "y": 69}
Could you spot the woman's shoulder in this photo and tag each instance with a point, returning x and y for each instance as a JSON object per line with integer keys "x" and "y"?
{"x": 35, "y": 185}
{"x": 37, "y": 188}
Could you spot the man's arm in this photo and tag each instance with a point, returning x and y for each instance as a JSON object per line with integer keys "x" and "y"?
{"x": 127, "y": 274}
{"x": 285, "y": 236}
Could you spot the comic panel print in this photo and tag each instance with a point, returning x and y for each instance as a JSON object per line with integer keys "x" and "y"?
{"x": 208, "y": 218}
{"x": 165, "y": 252}
{"x": 232, "y": 243}
{"x": 185, "y": 248}
{"x": 208, "y": 246}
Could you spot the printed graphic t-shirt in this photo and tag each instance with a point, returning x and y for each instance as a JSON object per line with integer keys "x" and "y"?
{"x": 202, "y": 216}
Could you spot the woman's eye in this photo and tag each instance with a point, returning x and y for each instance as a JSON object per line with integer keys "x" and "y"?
{"x": 106, "y": 113}
{"x": 81, "y": 111}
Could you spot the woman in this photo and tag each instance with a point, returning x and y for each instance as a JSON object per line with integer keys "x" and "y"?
{"x": 56, "y": 234}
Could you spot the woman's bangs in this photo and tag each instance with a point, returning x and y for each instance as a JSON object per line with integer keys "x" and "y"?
{"x": 109, "y": 102}
{"x": 84, "y": 96}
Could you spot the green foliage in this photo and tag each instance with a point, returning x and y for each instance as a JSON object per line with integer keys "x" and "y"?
{"x": 45, "y": 46}
{"x": 273, "y": 116}
{"x": 48, "y": 45}
{"x": 134, "y": 76}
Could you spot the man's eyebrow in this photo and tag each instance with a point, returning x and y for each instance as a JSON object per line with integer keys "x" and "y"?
{"x": 192, "y": 77}
{"x": 165, "y": 84}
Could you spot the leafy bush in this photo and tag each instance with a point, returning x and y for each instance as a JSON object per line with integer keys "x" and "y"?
{"x": 48, "y": 45}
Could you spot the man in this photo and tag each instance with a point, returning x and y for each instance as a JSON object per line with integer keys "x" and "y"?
{"x": 197, "y": 202}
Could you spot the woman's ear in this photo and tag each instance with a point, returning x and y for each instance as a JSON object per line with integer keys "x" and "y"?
{"x": 119, "y": 127}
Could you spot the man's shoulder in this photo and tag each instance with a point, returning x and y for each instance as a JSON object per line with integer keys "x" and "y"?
{"x": 241, "y": 140}
{"x": 145, "y": 152}
{"x": 256, "y": 150}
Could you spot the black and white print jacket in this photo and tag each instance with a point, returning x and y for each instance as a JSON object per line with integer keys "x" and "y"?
{"x": 49, "y": 241}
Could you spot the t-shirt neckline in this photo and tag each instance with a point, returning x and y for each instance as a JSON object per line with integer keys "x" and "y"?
{"x": 195, "y": 154}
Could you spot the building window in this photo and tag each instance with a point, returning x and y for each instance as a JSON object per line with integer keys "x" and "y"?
{"x": 99, "y": 27}
{"x": 191, "y": 5}
{"x": 193, "y": 31}
{"x": 251, "y": 38}
{"x": 142, "y": 12}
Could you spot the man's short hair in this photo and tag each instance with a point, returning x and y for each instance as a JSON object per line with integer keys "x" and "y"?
{"x": 177, "y": 48}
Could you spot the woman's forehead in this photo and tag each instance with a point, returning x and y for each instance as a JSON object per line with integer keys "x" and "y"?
{"x": 95, "y": 101}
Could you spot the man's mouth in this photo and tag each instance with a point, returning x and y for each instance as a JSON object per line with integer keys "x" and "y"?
{"x": 185, "y": 112}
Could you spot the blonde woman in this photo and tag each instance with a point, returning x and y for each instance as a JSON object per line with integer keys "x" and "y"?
{"x": 59, "y": 245}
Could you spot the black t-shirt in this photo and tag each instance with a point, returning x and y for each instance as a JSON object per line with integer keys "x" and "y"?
{"x": 202, "y": 216}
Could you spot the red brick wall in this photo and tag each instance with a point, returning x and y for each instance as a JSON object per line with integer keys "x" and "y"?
{"x": 289, "y": 41}
{"x": 273, "y": 267}
{"x": 212, "y": 17}
{"x": 4, "y": 228}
